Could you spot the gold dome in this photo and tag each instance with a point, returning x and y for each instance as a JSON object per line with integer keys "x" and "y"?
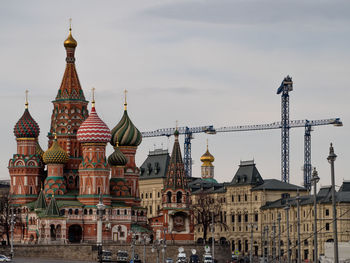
{"x": 207, "y": 158}
{"x": 70, "y": 41}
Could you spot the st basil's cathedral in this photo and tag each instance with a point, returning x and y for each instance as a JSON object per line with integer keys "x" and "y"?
{"x": 57, "y": 204}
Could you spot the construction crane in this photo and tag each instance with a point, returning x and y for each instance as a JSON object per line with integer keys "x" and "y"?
{"x": 284, "y": 89}
{"x": 209, "y": 129}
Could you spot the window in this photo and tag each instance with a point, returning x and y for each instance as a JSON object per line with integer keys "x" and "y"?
{"x": 327, "y": 212}
{"x": 232, "y": 218}
{"x": 158, "y": 194}
{"x": 245, "y": 198}
{"x": 62, "y": 212}
{"x": 85, "y": 212}
{"x": 233, "y": 229}
{"x": 245, "y": 217}
{"x": 168, "y": 195}
{"x": 118, "y": 212}
{"x": 256, "y": 217}
{"x": 158, "y": 208}
{"x": 150, "y": 195}
{"x": 179, "y": 197}
{"x": 239, "y": 198}
{"x": 142, "y": 195}
{"x": 256, "y": 198}
{"x": 146, "y": 195}
{"x": 225, "y": 216}
{"x": 70, "y": 211}
{"x": 327, "y": 226}
{"x": 76, "y": 211}
{"x": 126, "y": 212}
{"x": 239, "y": 218}
{"x": 150, "y": 210}
{"x": 233, "y": 198}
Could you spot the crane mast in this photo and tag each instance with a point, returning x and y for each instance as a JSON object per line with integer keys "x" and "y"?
{"x": 284, "y": 89}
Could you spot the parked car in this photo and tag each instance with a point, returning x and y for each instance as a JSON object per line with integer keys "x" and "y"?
{"x": 3, "y": 258}
{"x": 106, "y": 256}
{"x": 169, "y": 260}
{"x": 122, "y": 256}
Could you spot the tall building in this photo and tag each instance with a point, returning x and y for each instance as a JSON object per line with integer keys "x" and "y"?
{"x": 58, "y": 204}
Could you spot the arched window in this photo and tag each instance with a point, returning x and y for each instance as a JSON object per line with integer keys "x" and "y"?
{"x": 125, "y": 212}
{"x": 168, "y": 195}
{"x": 90, "y": 212}
{"x": 85, "y": 212}
{"x": 179, "y": 197}
{"x": 70, "y": 211}
{"x": 118, "y": 212}
{"x": 76, "y": 211}
{"x": 77, "y": 181}
{"x": 62, "y": 212}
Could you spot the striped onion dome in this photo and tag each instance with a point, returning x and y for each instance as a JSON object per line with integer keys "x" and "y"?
{"x": 126, "y": 133}
{"x": 55, "y": 154}
{"x": 93, "y": 129}
{"x": 26, "y": 127}
{"x": 117, "y": 158}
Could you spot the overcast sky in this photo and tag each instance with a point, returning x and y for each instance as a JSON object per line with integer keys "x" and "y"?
{"x": 199, "y": 62}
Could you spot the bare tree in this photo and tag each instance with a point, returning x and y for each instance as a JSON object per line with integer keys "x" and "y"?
{"x": 5, "y": 217}
{"x": 205, "y": 209}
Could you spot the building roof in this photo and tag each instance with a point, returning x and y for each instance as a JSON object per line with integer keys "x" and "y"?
{"x": 247, "y": 174}
{"x": 156, "y": 165}
{"x": 277, "y": 185}
{"x": 324, "y": 196}
{"x": 52, "y": 209}
{"x": 345, "y": 187}
{"x": 40, "y": 203}
{"x": 175, "y": 177}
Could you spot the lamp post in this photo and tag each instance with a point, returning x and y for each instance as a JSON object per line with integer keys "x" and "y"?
{"x": 331, "y": 159}
{"x": 133, "y": 240}
{"x": 298, "y": 228}
{"x": 252, "y": 225}
{"x": 212, "y": 235}
{"x": 145, "y": 240}
{"x": 12, "y": 223}
{"x": 279, "y": 237}
{"x": 288, "y": 245}
{"x": 315, "y": 179}
{"x": 155, "y": 248}
{"x": 100, "y": 209}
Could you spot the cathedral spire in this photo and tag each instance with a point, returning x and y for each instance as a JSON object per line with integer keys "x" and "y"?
{"x": 70, "y": 87}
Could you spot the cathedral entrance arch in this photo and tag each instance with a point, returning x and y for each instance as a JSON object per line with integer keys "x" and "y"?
{"x": 119, "y": 233}
{"x": 75, "y": 233}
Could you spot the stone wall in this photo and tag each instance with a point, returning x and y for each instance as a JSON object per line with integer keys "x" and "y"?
{"x": 89, "y": 252}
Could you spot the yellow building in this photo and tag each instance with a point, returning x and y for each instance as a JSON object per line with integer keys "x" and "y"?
{"x": 151, "y": 181}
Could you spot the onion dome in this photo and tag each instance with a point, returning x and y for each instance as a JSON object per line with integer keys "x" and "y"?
{"x": 93, "y": 129}
{"x": 125, "y": 132}
{"x": 70, "y": 41}
{"x": 55, "y": 154}
{"x": 207, "y": 158}
{"x": 26, "y": 127}
{"x": 117, "y": 158}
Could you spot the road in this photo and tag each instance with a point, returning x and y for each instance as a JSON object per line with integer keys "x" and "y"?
{"x": 44, "y": 260}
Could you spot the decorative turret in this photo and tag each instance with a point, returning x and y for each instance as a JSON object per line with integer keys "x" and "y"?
{"x": 26, "y": 127}
{"x": 207, "y": 168}
{"x": 26, "y": 166}
{"x": 55, "y": 154}
{"x": 52, "y": 210}
{"x": 117, "y": 158}
{"x": 93, "y": 135}
{"x": 125, "y": 132}
{"x": 40, "y": 203}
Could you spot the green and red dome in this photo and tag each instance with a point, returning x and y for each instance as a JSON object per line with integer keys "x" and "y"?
{"x": 125, "y": 133}
{"x": 117, "y": 158}
{"x": 26, "y": 127}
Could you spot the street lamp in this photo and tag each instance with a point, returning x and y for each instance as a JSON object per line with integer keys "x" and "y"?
{"x": 331, "y": 159}
{"x": 100, "y": 209}
{"x": 252, "y": 226}
{"x": 156, "y": 248}
{"x": 12, "y": 222}
{"x": 287, "y": 221}
{"x": 315, "y": 179}
{"x": 146, "y": 239}
{"x": 133, "y": 239}
{"x": 212, "y": 235}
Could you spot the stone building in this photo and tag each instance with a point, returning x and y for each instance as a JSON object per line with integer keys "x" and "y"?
{"x": 54, "y": 192}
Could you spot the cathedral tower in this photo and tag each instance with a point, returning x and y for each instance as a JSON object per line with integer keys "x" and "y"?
{"x": 125, "y": 138}
{"x": 94, "y": 135}
{"x": 26, "y": 166}
{"x": 70, "y": 110}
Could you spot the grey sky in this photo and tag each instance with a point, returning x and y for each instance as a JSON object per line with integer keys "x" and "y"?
{"x": 199, "y": 62}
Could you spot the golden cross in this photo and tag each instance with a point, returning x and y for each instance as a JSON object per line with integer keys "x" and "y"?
{"x": 177, "y": 124}
{"x": 93, "y": 97}
{"x": 207, "y": 144}
{"x": 125, "y": 103}
{"x": 70, "y": 24}
{"x": 26, "y": 104}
